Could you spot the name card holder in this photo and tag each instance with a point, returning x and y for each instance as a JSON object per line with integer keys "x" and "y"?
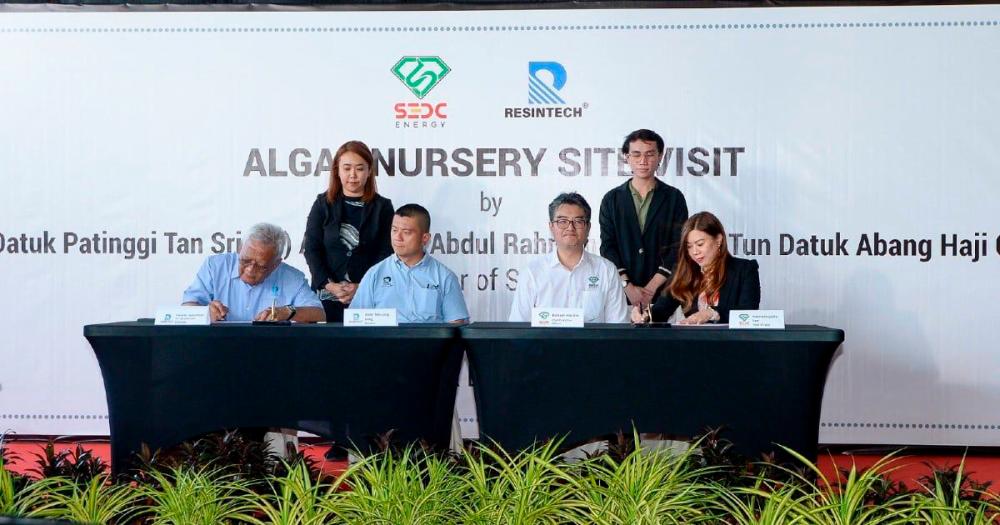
{"x": 370, "y": 317}
{"x": 542, "y": 317}
{"x": 757, "y": 319}
{"x": 182, "y": 316}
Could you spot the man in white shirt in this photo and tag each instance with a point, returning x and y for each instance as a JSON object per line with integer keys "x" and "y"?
{"x": 570, "y": 277}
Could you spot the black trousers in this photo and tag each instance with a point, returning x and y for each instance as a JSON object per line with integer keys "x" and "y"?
{"x": 334, "y": 311}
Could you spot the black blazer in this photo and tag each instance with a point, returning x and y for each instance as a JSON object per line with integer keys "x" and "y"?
{"x": 642, "y": 254}
{"x": 740, "y": 291}
{"x": 328, "y": 258}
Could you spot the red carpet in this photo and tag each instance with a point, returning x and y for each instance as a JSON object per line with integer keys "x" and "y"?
{"x": 909, "y": 468}
{"x": 26, "y": 450}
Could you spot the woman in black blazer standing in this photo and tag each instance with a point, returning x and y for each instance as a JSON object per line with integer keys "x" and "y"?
{"x": 708, "y": 282}
{"x": 348, "y": 229}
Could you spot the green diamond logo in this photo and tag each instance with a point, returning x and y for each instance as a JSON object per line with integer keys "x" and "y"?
{"x": 543, "y": 315}
{"x": 744, "y": 317}
{"x": 593, "y": 279}
{"x": 420, "y": 74}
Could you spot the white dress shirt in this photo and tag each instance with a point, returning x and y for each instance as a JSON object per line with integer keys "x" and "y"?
{"x": 593, "y": 285}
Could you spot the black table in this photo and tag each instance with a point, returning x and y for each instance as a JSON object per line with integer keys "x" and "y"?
{"x": 765, "y": 386}
{"x": 165, "y": 384}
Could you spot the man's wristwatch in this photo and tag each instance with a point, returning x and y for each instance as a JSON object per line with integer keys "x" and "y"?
{"x": 291, "y": 312}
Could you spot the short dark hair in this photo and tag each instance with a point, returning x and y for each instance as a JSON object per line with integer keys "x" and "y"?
{"x": 645, "y": 135}
{"x": 573, "y": 198}
{"x": 417, "y": 212}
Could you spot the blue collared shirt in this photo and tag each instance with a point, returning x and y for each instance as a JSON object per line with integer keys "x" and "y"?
{"x": 219, "y": 280}
{"x": 426, "y": 293}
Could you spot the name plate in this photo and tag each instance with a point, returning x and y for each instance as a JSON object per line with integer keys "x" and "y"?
{"x": 542, "y": 317}
{"x": 183, "y": 316}
{"x": 757, "y": 319}
{"x": 370, "y": 317}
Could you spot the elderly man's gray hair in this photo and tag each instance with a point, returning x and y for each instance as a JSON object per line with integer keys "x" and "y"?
{"x": 268, "y": 235}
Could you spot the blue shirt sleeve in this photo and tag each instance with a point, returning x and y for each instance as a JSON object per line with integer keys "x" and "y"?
{"x": 200, "y": 291}
{"x": 453, "y": 303}
{"x": 364, "y": 297}
{"x": 304, "y": 296}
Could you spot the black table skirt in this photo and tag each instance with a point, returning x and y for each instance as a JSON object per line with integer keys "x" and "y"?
{"x": 166, "y": 384}
{"x": 765, "y": 386}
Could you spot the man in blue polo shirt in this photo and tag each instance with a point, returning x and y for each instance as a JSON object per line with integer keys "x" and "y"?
{"x": 421, "y": 289}
{"x": 254, "y": 284}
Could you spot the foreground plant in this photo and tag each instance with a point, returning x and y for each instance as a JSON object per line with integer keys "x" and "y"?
{"x": 846, "y": 500}
{"x": 296, "y": 498}
{"x": 405, "y": 488}
{"x": 526, "y": 488}
{"x": 21, "y": 497}
{"x": 196, "y": 497}
{"x": 646, "y": 487}
{"x": 94, "y": 501}
{"x": 765, "y": 503}
{"x": 951, "y": 498}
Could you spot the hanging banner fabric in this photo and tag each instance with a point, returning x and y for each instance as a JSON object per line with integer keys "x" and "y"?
{"x": 851, "y": 151}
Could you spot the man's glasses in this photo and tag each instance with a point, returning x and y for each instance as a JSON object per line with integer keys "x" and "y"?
{"x": 563, "y": 223}
{"x": 254, "y": 266}
{"x": 649, "y": 155}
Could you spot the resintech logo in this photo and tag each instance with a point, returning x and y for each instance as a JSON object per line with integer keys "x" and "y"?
{"x": 546, "y": 81}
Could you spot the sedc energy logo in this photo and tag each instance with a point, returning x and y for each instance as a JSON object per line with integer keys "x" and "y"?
{"x": 546, "y": 81}
{"x": 420, "y": 74}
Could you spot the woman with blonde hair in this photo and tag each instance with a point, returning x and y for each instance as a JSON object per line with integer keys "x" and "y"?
{"x": 708, "y": 282}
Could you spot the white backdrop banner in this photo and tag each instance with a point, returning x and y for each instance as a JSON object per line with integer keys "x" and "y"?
{"x": 852, "y": 151}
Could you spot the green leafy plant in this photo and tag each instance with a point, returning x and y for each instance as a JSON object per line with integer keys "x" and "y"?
{"x": 94, "y": 501}
{"x": 951, "y": 497}
{"x": 405, "y": 488}
{"x": 765, "y": 503}
{"x": 953, "y": 481}
{"x": 844, "y": 501}
{"x": 646, "y": 487}
{"x": 296, "y": 498}
{"x": 21, "y": 497}
{"x": 184, "y": 496}
{"x": 525, "y": 488}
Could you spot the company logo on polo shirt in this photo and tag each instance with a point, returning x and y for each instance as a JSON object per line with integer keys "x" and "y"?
{"x": 387, "y": 281}
{"x": 420, "y": 74}
{"x": 546, "y": 81}
{"x": 594, "y": 281}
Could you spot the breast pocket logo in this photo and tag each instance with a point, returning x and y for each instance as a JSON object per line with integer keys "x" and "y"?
{"x": 387, "y": 281}
{"x": 593, "y": 281}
